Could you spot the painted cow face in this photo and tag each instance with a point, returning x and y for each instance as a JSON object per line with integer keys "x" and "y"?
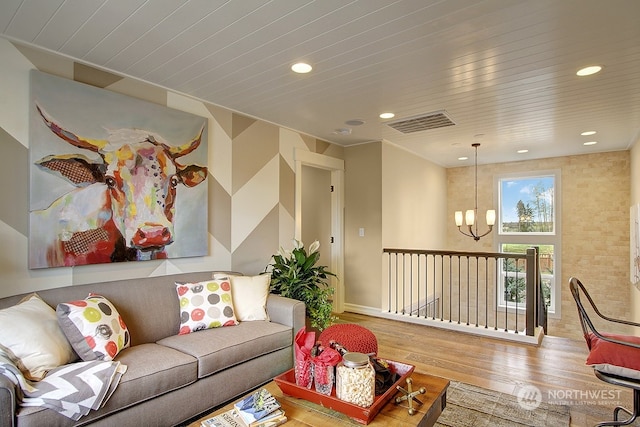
{"x": 140, "y": 174}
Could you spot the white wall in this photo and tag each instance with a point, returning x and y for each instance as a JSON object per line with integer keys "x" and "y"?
{"x": 399, "y": 201}
{"x": 414, "y": 205}
{"x": 363, "y": 204}
{"x": 414, "y": 201}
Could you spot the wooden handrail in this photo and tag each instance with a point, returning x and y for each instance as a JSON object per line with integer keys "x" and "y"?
{"x": 456, "y": 253}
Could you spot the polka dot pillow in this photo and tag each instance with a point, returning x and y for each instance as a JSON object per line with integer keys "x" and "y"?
{"x": 205, "y": 305}
{"x": 94, "y": 328}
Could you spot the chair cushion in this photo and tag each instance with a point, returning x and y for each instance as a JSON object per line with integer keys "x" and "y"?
{"x": 616, "y": 359}
{"x": 618, "y": 371}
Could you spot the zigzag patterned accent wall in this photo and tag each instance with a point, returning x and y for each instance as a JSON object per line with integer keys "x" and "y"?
{"x": 251, "y": 179}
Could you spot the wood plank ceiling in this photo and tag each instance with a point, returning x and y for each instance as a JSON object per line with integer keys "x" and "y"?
{"x": 503, "y": 69}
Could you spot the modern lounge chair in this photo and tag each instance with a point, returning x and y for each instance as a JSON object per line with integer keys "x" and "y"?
{"x": 615, "y": 358}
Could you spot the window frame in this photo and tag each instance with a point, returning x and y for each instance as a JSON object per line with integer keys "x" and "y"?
{"x": 533, "y": 238}
{"x": 529, "y": 175}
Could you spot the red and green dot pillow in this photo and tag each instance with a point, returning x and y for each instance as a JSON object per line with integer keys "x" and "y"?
{"x": 205, "y": 305}
{"x": 93, "y": 327}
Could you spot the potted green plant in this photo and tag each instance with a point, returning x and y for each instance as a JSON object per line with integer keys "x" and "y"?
{"x": 295, "y": 275}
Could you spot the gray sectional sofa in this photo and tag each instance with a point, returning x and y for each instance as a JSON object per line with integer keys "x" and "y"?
{"x": 170, "y": 378}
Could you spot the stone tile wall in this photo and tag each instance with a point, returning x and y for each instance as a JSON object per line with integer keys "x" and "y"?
{"x": 595, "y": 225}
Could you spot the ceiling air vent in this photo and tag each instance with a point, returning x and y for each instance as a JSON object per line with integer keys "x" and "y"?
{"x": 434, "y": 120}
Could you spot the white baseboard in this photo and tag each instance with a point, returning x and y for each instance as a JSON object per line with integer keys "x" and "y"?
{"x": 362, "y": 309}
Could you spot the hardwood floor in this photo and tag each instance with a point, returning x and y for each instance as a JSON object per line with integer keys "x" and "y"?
{"x": 556, "y": 367}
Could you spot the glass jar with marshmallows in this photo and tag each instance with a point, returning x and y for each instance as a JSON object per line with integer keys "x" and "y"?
{"x": 356, "y": 379}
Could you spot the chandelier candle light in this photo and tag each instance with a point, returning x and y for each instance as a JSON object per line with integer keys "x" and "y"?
{"x": 471, "y": 214}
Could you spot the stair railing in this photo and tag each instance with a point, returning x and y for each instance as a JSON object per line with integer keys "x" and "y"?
{"x": 478, "y": 290}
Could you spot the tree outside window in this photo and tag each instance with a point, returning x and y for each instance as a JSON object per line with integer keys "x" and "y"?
{"x": 527, "y": 205}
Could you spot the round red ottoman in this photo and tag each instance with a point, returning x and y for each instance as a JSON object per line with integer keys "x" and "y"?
{"x": 351, "y": 336}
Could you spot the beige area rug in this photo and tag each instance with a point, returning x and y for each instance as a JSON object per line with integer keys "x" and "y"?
{"x": 471, "y": 406}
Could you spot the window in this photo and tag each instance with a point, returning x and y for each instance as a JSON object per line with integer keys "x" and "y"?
{"x": 527, "y": 205}
{"x": 513, "y": 275}
{"x": 528, "y": 208}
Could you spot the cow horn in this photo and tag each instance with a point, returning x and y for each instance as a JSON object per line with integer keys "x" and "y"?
{"x": 90, "y": 144}
{"x": 184, "y": 149}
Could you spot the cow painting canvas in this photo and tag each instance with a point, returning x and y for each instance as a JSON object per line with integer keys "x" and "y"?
{"x": 113, "y": 178}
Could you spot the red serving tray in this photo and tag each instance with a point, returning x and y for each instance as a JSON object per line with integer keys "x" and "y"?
{"x": 287, "y": 383}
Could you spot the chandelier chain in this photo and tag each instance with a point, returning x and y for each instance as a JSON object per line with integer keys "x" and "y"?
{"x": 472, "y": 221}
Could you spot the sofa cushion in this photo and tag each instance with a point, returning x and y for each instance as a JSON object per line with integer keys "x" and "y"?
{"x": 204, "y": 305}
{"x": 94, "y": 327}
{"x": 31, "y": 337}
{"x": 217, "y": 349}
{"x": 250, "y": 296}
{"x": 152, "y": 370}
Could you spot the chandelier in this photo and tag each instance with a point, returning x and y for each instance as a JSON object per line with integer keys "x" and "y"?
{"x": 472, "y": 214}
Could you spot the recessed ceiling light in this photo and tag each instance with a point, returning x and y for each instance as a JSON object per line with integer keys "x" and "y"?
{"x": 589, "y": 132}
{"x": 590, "y": 143}
{"x": 355, "y": 122}
{"x": 522, "y": 151}
{"x": 463, "y": 158}
{"x": 301, "y": 67}
{"x": 587, "y": 71}
{"x": 387, "y": 115}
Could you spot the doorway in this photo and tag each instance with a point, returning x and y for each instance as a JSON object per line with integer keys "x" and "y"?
{"x": 325, "y": 212}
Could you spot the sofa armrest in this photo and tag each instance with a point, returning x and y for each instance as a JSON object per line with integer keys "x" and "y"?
{"x": 286, "y": 311}
{"x": 7, "y": 402}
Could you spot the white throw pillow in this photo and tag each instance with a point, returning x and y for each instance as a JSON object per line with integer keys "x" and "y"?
{"x": 31, "y": 337}
{"x": 250, "y": 296}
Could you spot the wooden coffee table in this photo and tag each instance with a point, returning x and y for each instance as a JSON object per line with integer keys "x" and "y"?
{"x": 303, "y": 413}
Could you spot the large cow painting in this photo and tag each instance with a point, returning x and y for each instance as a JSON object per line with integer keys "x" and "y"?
{"x": 113, "y": 178}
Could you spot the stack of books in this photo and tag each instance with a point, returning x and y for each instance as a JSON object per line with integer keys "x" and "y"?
{"x": 259, "y": 409}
